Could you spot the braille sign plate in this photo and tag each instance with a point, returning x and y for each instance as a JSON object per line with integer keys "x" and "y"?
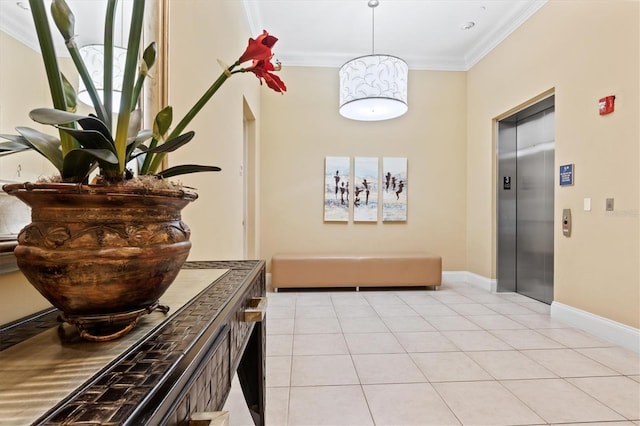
{"x": 566, "y": 175}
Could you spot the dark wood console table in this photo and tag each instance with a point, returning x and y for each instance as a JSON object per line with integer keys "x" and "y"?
{"x": 175, "y": 367}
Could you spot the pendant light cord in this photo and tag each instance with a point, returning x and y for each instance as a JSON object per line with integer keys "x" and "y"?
{"x": 373, "y": 30}
{"x": 373, "y": 4}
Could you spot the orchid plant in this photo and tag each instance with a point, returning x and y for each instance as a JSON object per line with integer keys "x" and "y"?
{"x": 89, "y": 142}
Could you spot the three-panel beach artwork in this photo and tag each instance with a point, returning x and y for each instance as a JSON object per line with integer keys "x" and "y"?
{"x": 375, "y": 189}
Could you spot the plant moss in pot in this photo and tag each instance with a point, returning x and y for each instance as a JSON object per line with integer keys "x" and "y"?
{"x": 104, "y": 253}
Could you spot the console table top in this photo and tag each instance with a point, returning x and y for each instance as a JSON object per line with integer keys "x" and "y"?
{"x": 46, "y": 369}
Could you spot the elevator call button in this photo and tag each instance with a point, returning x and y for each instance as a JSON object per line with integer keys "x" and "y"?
{"x": 566, "y": 222}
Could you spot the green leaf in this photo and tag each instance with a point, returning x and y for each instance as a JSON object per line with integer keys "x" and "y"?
{"x": 102, "y": 155}
{"x": 148, "y": 59}
{"x": 13, "y": 146}
{"x": 173, "y": 144}
{"x": 162, "y": 122}
{"x": 107, "y": 78}
{"x": 47, "y": 49}
{"x": 90, "y": 139}
{"x": 143, "y": 135}
{"x": 93, "y": 123}
{"x": 4, "y": 153}
{"x": 15, "y": 139}
{"x": 70, "y": 94}
{"x": 135, "y": 125}
{"x": 55, "y": 117}
{"x": 185, "y": 169}
{"x": 128, "y": 82}
{"x": 45, "y": 144}
{"x": 77, "y": 166}
{"x": 63, "y": 18}
{"x": 149, "y": 55}
{"x": 78, "y": 163}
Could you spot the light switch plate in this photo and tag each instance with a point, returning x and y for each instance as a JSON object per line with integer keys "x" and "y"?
{"x": 587, "y": 204}
{"x": 609, "y": 204}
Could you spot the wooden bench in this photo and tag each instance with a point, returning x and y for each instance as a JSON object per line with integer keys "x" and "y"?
{"x": 302, "y": 270}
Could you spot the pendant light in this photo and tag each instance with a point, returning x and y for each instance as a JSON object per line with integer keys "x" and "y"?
{"x": 93, "y": 57}
{"x": 373, "y": 87}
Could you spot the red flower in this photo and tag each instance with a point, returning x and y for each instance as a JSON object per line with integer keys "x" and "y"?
{"x": 262, "y": 68}
{"x": 259, "y": 49}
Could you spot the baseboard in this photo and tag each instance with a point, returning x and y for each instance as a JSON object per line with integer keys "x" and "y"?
{"x": 449, "y": 277}
{"x": 475, "y": 280}
{"x": 601, "y": 327}
{"x": 267, "y": 281}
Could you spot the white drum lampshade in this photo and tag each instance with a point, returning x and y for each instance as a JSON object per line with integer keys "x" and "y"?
{"x": 93, "y": 57}
{"x": 373, "y": 88}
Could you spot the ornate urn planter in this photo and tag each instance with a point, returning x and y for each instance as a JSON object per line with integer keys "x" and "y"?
{"x": 103, "y": 255}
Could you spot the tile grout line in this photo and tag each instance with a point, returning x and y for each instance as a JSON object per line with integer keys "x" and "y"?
{"x": 364, "y": 395}
{"x": 529, "y": 325}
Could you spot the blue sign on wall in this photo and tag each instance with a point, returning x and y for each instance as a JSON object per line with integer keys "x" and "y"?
{"x": 566, "y": 174}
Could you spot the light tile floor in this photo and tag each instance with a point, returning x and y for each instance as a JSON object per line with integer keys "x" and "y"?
{"x": 459, "y": 355}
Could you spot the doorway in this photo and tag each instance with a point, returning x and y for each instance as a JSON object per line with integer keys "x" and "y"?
{"x": 526, "y": 150}
{"x": 248, "y": 171}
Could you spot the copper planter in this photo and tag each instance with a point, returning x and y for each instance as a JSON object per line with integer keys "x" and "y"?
{"x": 102, "y": 255}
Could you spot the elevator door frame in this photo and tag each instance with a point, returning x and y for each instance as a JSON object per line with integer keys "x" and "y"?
{"x": 506, "y": 200}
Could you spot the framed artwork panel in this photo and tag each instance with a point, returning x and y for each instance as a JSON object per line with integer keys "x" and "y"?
{"x": 337, "y": 173}
{"x": 394, "y": 189}
{"x": 365, "y": 191}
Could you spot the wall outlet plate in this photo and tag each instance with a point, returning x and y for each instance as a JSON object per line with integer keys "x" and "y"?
{"x": 609, "y": 204}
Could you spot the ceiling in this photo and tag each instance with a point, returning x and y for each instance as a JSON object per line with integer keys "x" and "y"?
{"x": 427, "y": 34}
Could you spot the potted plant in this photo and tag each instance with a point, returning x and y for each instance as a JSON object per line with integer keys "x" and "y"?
{"x": 104, "y": 252}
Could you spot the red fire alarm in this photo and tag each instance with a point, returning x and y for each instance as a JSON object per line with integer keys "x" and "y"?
{"x": 606, "y": 104}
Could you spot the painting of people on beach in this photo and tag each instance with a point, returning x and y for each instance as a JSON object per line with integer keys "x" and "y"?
{"x": 394, "y": 189}
{"x": 365, "y": 192}
{"x": 337, "y": 173}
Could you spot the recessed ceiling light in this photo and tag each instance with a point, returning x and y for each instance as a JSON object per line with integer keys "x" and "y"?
{"x": 23, "y": 5}
{"x": 468, "y": 25}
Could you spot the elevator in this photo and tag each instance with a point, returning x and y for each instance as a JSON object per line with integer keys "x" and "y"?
{"x": 525, "y": 215}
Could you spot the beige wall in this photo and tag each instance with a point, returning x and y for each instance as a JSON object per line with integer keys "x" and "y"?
{"x": 23, "y": 87}
{"x": 583, "y": 50}
{"x": 202, "y": 32}
{"x": 302, "y": 127}
{"x": 18, "y": 298}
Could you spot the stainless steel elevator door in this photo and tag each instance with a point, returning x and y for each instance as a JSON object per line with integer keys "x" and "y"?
{"x": 534, "y": 206}
{"x": 507, "y": 206}
{"x": 526, "y": 145}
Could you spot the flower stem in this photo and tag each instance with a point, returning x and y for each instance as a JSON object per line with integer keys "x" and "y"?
{"x": 109, "y": 24}
{"x": 88, "y": 82}
{"x": 128, "y": 82}
{"x": 199, "y": 105}
{"x": 137, "y": 90}
{"x": 157, "y": 160}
